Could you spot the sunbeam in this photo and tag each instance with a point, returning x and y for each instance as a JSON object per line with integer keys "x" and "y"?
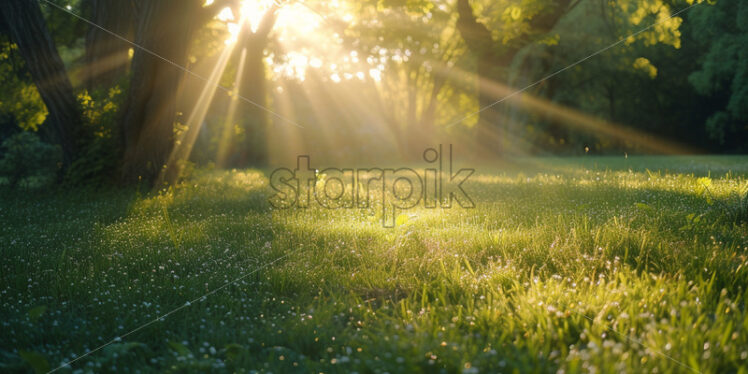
{"x": 570, "y": 117}
{"x": 183, "y": 146}
{"x": 224, "y": 145}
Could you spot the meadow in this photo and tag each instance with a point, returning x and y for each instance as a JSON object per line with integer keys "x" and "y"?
{"x": 565, "y": 265}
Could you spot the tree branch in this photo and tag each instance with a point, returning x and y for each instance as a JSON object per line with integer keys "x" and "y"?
{"x": 476, "y": 35}
{"x": 546, "y": 21}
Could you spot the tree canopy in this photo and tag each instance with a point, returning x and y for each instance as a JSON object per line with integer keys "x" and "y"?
{"x": 144, "y": 87}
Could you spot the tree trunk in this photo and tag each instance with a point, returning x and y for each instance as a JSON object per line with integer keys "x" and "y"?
{"x": 163, "y": 32}
{"x": 253, "y": 150}
{"x": 26, "y": 25}
{"x": 107, "y": 56}
{"x": 490, "y": 60}
{"x": 254, "y": 117}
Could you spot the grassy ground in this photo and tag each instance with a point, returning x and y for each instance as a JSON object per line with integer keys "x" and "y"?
{"x": 565, "y": 265}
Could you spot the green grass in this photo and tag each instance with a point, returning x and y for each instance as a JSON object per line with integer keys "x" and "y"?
{"x": 565, "y": 265}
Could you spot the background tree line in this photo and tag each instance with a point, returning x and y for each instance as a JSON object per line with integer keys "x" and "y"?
{"x": 365, "y": 79}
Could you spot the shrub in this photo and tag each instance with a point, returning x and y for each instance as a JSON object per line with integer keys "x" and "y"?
{"x": 98, "y": 149}
{"x": 29, "y": 161}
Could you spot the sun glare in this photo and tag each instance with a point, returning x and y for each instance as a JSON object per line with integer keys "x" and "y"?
{"x": 225, "y": 15}
{"x": 253, "y": 11}
{"x": 293, "y": 19}
{"x": 299, "y": 19}
{"x": 300, "y": 29}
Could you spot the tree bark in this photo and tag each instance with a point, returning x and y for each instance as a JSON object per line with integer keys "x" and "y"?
{"x": 163, "y": 32}
{"x": 107, "y": 56}
{"x": 26, "y": 25}
{"x": 254, "y": 117}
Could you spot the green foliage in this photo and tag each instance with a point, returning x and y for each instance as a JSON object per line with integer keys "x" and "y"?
{"x": 418, "y": 57}
{"x": 510, "y": 21}
{"x": 413, "y": 6}
{"x": 19, "y": 98}
{"x": 408, "y": 66}
{"x": 65, "y": 29}
{"x": 723, "y": 30}
{"x": 638, "y": 83}
{"x": 28, "y": 161}
{"x": 99, "y": 150}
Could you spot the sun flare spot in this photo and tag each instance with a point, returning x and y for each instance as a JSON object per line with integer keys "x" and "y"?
{"x": 254, "y": 10}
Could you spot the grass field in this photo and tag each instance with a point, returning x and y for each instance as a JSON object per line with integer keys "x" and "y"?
{"x": 565, "y": 265}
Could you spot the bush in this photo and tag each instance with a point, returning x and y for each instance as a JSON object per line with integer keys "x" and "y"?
{"x": 98, "y": 150}
{"x": 29, "y": 161}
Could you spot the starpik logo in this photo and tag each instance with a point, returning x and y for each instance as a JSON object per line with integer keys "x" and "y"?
{"x": 388, "y": 189}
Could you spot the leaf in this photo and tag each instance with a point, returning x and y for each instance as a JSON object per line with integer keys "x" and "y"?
{"x": 36, "y": 361}
{"x": 37, "y": 312}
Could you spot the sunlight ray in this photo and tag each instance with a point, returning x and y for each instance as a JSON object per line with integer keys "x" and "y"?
{"x": 107, "y": 64}
{"x": 570, "y": 117}
{"x": 183, "y": 146}
{"x": 286, "y": 142}
{"x": 224, "y": 145}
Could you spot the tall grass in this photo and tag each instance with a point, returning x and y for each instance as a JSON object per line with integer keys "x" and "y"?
{"x": 565, "y": 265}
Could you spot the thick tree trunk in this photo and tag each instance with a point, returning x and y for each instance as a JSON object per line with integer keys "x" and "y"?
{"x": 164, "y": 29}
{"x": 26, "y": 25}
{"x": 107, "y": 56}
{"x": 253, "y": 150}
{"x": 254, "y": 117}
